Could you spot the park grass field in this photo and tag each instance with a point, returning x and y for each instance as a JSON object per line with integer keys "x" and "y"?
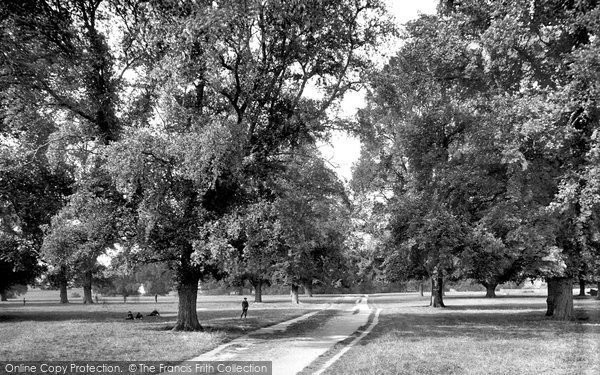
{"x": 474, "y": 335}
{"x": 42, "y": 329}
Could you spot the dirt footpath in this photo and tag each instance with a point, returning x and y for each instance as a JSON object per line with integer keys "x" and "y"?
{"x": 290, "y": 346}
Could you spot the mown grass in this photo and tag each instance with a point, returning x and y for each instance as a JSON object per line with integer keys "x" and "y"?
{"x": 45, "y": 330}
{"x": 476, "y": 336}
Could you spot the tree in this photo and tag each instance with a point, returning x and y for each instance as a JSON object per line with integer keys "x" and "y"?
{"x": 425, "y": 240}
{"x": 81, "y": 232}
{"x": 119, "y": 278}
{"x": 156, "y": 278}
{"x": 29, "y": 195}
{"x": 254, "y": 236}
{"x": 60, "y": 97}
{"x": 230, "y": 102}
{"x": 483, "y": 110}
{"x": 311, "y": 210}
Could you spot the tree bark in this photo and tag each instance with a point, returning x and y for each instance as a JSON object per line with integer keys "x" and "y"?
{"x": 560, "y": 299}
{"x": 87, "y": 288}
{"x": 294, "y": 293}
{"x": 257, "y": 291}
{"x": 421, "y": 289}
{"x": 63, "y": 292}
{"x": 581, "y": 287}
{"x": 490, "y": 290}
{"x": 187, "y": 315}
{"x": 308, "y": 288}
{"x": 437, "y": 290}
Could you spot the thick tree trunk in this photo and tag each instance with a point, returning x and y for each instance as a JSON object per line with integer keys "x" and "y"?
{"x": 581, "y": 287}
{"x": 257, "y": 291}
{"x": 308, "y": 288}
{"x": 560, "y": 299}
{"x": 63, "y": 292}
{"x": 87, "y": 288}
{"x": 437, "y": 290}
{"x": 3, "y": 296}
{"x": 550, "y": 298}
{"x": 490, "y": 290}
{"x": 187, "y": 316}
{"x": 294, "y": 294}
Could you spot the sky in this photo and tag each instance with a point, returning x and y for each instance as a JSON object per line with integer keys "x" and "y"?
{"x": 343, "y": 150}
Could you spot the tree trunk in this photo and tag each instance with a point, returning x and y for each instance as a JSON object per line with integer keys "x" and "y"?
{"x": 308, "y": 288}
{"x": 87, "y": 288}
{"x": 437, "y": 290}
{"x": 598, "y": 293}
{"x": 490, "y": 290}
{"x": 560, "y": 299}
{"x": 63, "y": 292}
{"x": 421, "y": 289}
{"x": 187, "y": 316}
{"x": 294, "y": 293}
{"x": 581, "y": 287}
{"x": 3, "y": 296}
{"x": 257, "y": 291}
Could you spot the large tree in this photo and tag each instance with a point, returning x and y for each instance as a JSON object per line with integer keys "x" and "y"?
{"x": 82, "y": 231}
{"x": 230, "y": 103}
{"x": 64, "y": 81}
{"x": 254, "y": 236}
{"x": 486, "y": 110}
{"x": 312, "y": 211}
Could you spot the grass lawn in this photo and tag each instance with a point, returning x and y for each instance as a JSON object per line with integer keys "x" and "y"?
{"x": 473, "y": 335}
{"x": 43, "y": 329}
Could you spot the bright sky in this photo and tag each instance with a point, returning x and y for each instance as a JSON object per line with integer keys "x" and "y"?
{"x": 346, "y": 150}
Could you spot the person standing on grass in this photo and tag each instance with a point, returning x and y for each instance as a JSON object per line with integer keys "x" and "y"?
{"x": 244, "y": 308}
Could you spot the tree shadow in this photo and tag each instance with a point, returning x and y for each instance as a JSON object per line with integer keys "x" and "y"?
{"x": 488, "y": 323}
{"x": 510, "y": 306}
{"x": 86, "y": 316}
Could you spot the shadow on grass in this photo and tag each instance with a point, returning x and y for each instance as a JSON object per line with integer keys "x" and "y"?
{"x": 511, "y": 306}
{"x": 88, "y": 316}
{"x": 498, "y": 297}
{"x": 454, "y": 322}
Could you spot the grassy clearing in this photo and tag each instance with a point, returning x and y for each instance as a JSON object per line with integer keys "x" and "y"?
{"x": 45, "y": 330}
{"x": 507, "y": 335}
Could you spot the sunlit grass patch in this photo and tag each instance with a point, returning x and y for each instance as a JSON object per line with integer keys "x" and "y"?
{"x": 45, "y": 330}
{"x": 476, "y": 336}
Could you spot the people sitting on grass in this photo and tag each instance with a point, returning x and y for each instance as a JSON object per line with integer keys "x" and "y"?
{"x": 154, "y": 313}
{"x": 129, "y": 316}
{"x": 139, "y": 316}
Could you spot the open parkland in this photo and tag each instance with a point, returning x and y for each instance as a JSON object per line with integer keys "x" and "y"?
{"x": 472, "y": 335}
